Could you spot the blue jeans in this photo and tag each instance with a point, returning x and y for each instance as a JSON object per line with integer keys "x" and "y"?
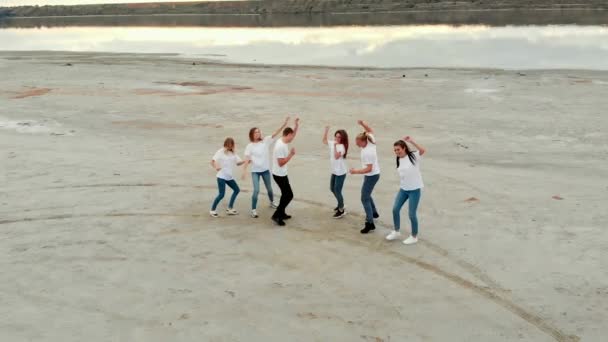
{"x": 255, "y": 177}
{"x": 336, "y": 184}
{"x": 402, "y": 197}
{"x": 369, "y": 182}
{"x": 221, "y": 185}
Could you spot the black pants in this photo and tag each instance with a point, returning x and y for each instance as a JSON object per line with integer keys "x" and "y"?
{"x": 286, "y": 195}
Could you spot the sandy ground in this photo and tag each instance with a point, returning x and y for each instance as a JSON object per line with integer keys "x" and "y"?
{"x": 105, "y": 190}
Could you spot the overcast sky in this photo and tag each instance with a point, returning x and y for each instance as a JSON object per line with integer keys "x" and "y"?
{"x": 78, "y": 2}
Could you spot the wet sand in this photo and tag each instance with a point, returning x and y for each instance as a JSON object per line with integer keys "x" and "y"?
{"x": 106, "y": 189}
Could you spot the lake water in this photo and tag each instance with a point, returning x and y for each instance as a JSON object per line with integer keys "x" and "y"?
{"x": 413, "y": 45}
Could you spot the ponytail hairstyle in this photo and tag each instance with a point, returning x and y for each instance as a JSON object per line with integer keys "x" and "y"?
{"x": 229, "y": 144}
{"x": 343, "y": 140}
{"x": 409, "y": 153}
{"x": 364, "y": 136}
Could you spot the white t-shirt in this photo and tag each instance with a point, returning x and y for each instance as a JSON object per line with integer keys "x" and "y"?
{"x": 369, "y": 156}
{"x": 281, "y": 150}
{"x": 409, "y": 174}
{"x": 258, "y": 153}
{"x": 338, "y": 166}
{"x": 227, "y": 161}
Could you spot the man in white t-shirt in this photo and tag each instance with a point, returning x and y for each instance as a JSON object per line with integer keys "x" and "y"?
{"x": 280, "y": 157}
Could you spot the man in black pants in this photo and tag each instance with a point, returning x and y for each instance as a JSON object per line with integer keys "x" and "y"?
{"x": 280, "y": 157}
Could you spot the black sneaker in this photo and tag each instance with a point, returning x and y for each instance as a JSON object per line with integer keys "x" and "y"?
{"x": 368, "y": 228}
{"x": 286, "y": 217}
{"x": 376, "y": 215}
{"x": 278, "y": 221}
{"x": 336, "y": 209}
{"x": 339, "y": 214}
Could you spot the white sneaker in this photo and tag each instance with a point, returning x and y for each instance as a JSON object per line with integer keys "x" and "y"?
{"x": 254, "y": 213}
{"x": 393, "y": 235}
{"x": 232, "y": 212}
{"x": 410, "y": 240}
{"x": 273, "y": 205}
{"x": 213, "y": 213}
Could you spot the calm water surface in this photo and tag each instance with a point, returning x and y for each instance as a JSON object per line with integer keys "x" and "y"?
{"x": 437, "y": 45}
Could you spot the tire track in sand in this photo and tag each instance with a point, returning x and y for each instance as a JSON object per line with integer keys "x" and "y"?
{"x": 490, "y": 293}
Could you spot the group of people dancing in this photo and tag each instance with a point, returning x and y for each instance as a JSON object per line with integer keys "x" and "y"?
{"x": 264, "y": 165}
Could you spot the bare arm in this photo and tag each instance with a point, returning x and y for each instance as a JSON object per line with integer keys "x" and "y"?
{"x": 245, "y": 165}
{"x": 278, "y": 131}
{"x": 421, "y": 150}
{"x": 365, "y": 126}
{"x": 296, "y": 128}
{"x": 283, "y": 161}
{"x": 337, "y": 154}
{"x": 325, "y": 135}
{"x": 215, "y": 165}
{"x": 365, "y": 170}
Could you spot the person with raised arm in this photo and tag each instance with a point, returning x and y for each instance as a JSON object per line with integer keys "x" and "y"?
{"x": 224, "y": 161}
{"x": 410, "y": 178}
{"x": 371, "y": 171}
{"x": 281, "y": 156}
{"x": 256, "y": 154}
{"x": 338, "y": 149}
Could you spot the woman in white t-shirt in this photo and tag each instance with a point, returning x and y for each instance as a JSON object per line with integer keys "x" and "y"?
{"x": 224, "y": 162}
{"x": 338, "y": 149}
{"x": 371, "y": 170}
{"x": 408, "y": 166}
{"x": 257, "y": 155}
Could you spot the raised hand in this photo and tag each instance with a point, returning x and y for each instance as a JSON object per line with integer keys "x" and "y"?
{"x": 407, "y": 138}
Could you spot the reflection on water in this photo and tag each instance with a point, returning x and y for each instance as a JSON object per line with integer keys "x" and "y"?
{"x": 474, "y": 46}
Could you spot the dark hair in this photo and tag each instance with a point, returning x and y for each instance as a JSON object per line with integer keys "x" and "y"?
{"x": 229, "y": 144}
{"x": 287, "y": 131}
{"x": 251, "y": 133}
{"x": 409, "y": 153}
{"x": 344, "y": 141}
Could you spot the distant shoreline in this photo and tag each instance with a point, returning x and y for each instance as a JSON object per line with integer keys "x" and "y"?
{"x": 329, "y": 13}
{"x": 496, "y": 17}
{"x": 310, "y": 7}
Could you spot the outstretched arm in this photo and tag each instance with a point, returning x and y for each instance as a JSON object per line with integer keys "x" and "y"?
{"x": 325, "y": 135}
{"x": 421, "y": 150}
{"x": 365, "y": 126}
{"x": 296, "y": 128}
{"x": 278, "y": 131}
